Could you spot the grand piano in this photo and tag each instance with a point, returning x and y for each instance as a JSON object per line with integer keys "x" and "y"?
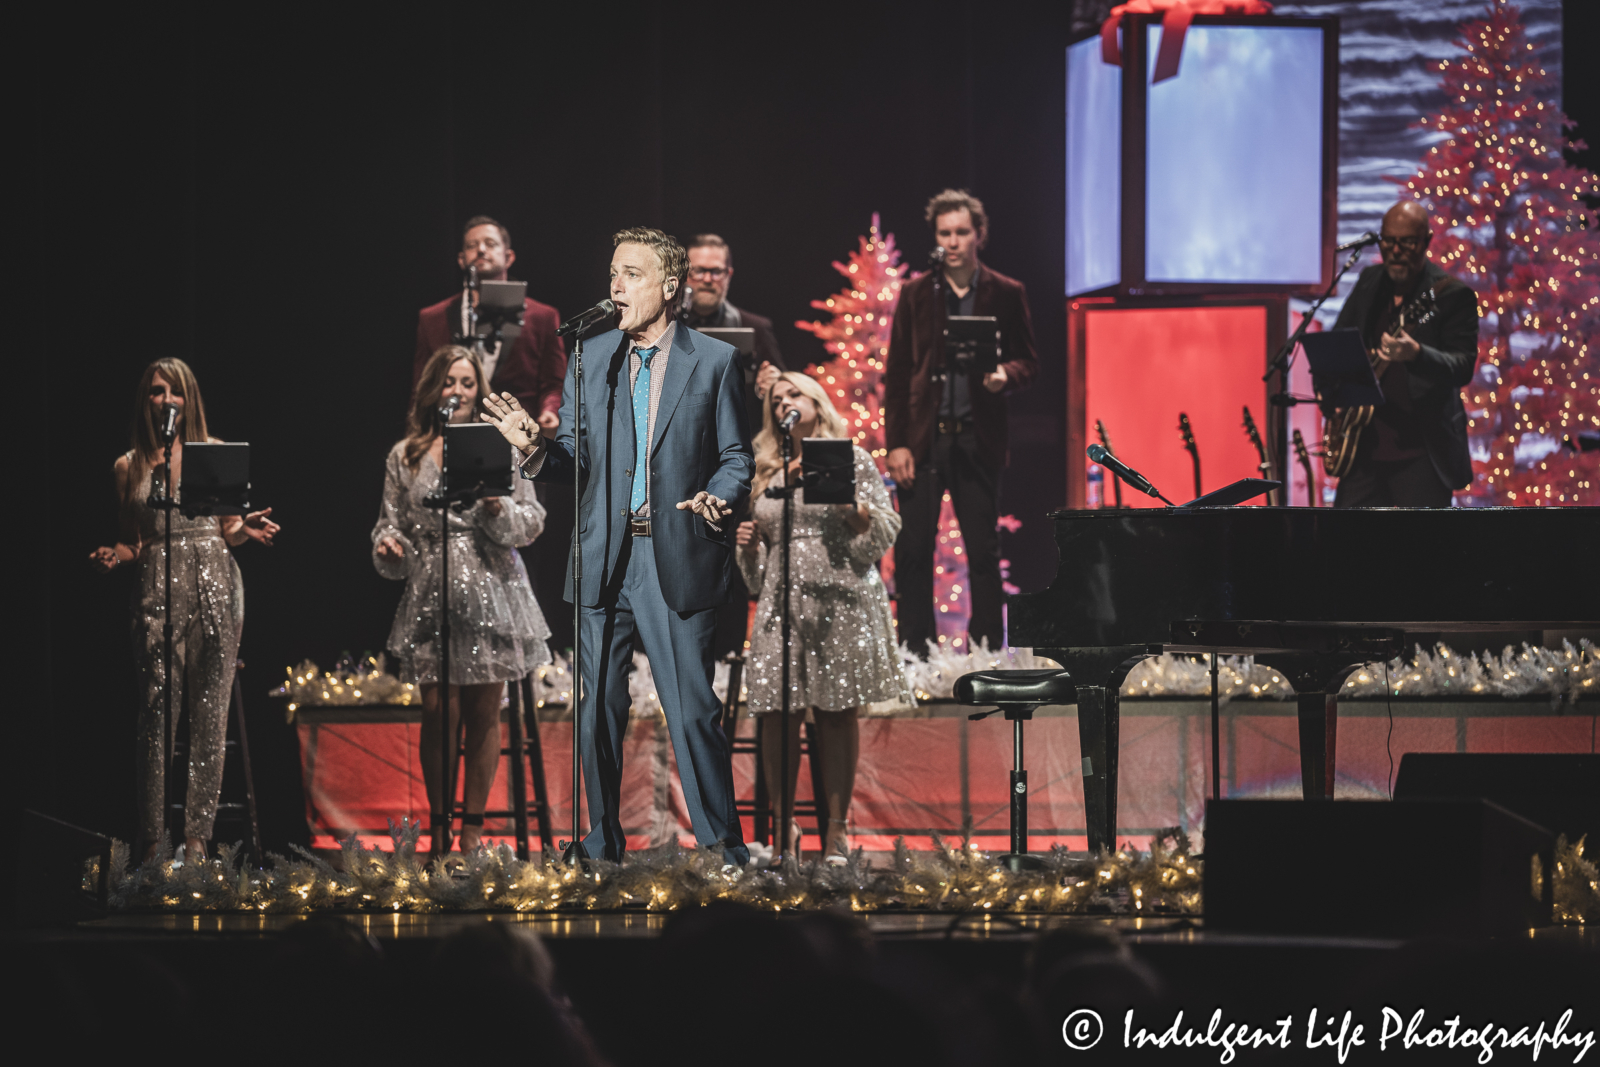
{"x": 1312, "y": 592}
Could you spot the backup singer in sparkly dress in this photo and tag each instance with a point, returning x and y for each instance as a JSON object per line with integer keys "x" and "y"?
{"x": 497, "y": 633}
{"x": 843, "y": 635}
{"x": 207, "y": 607}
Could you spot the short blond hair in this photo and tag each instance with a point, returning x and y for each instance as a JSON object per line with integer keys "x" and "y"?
{"x": 954, "y": 200}
{"x": 674, "y": 260}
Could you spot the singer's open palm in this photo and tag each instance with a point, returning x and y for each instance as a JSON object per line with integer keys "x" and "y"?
{"x": 506, "y": 414}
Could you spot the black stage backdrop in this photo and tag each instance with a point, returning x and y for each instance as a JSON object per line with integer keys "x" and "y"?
{"x": 272, "y": 193}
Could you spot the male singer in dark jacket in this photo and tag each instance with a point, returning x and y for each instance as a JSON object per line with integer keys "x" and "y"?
{"x": 948, "y": 431}
{"x": 536, "y": 363}
{"x": 706, "y": 304}
{"x": 1414, "y": 451}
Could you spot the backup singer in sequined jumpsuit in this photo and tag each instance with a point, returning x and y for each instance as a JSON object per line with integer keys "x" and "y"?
{"x": 497, "y": 632}
{"x": 843, "y": 635}
{"x": 207, "y": 607}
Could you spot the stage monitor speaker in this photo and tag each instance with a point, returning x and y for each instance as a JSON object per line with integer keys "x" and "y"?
{"x": 1559, "y": 791}
{"x": 1405, "y": 868}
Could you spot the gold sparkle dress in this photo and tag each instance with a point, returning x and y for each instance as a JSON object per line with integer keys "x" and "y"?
{"x": 497, "y": 631}
{"x": 208, "y": 614}
{"x": 843, "y": 635}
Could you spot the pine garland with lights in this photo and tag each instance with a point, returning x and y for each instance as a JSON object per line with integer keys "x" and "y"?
{"x": 858, "y": 337}
{"x": 1510, "y": 220}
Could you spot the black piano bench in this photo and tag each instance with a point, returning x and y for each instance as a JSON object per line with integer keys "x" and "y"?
{"x": 1016, "y": 694}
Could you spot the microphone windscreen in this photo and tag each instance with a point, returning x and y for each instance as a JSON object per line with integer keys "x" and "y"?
{"x": 1098, "y": 453}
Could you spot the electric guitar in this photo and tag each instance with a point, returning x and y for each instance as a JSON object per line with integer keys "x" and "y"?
{"x": 1194, "y": 452}
{"x": 1341, "y": 431}
{"x": 1263, "y": 464}
{"x": 1305, "y": 465}
{"x": 1116, "y": 483}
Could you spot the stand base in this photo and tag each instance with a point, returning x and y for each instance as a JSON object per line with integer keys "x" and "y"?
{"x": 573, "y": 852}
{"x": 1016, "y": 862}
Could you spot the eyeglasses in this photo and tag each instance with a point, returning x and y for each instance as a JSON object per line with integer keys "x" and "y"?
{"x": 713, "y": 273}
{"x": 1410, "y": 244}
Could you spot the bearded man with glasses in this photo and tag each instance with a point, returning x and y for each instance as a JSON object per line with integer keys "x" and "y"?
{"x": 1420, "y": 327}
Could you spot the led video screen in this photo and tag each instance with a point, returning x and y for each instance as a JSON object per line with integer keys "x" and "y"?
{"x": 1094, "y": 147}
{"x": 1233, "y": 163}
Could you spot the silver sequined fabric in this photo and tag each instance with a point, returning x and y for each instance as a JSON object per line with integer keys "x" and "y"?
{"x": 208, "y": 614}
{"x": 497, "y": 631}
{"x": 842, "y": 634}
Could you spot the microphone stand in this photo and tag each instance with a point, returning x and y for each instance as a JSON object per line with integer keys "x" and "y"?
{"x": 444, "y": 818}
{"x": 575, "y": 852}
{"x": 166, "y": 504}
{"x": 786, "y": 801}
{"x": 1281, "y": 359}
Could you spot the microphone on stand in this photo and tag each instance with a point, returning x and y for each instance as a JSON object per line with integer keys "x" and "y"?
{"x": 1102, "y": 456}
{"x": 169, "y": 422}
{"x": 936, "y": 257}
{"x": 789, "y": 420}
{"x": 585, "y": 319}
{"x": 1368, "y": 238}
{"x": 449, "y": 407}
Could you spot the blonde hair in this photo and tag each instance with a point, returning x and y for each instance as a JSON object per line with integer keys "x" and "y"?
{"x": 147, "y": 446}
{"x": 674, "y": 260}
{"x": 423, "y": 422}
{"x": 768, "y": 447}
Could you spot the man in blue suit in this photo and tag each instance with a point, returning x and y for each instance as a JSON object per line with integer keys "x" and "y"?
{"x": 664, "y": 466}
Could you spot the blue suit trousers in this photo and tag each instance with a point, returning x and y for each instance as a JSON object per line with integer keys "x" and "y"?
{"x": 678, "y": 644}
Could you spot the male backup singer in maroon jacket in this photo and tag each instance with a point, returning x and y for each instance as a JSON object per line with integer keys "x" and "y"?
{"x": 534, "y": 367}
{"x": 949, "y": 432}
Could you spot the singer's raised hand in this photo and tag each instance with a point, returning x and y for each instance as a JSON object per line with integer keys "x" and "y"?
{"x": 713, "y": 509}
{"x": 506, "y": 414}
{"x": 766, "y": 376}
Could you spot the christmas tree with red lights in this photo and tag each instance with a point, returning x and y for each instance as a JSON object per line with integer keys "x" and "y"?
{"x": 857, "y": 340}
{"x": 1510, "y": 220}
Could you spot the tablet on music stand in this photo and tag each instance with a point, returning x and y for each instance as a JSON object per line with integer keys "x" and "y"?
{"x": 972, "y": 342}
{"x": 1234, "y": 493}
{"x": 216, "y": 478}
{"x": 1343, "y": 374}
{"x": 828, "y": 470}
{"x": 480, "y": 462}
{"x": 741, "y": 337}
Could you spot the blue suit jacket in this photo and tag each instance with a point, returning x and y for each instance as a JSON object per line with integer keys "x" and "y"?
{"x": 700, "y": 443}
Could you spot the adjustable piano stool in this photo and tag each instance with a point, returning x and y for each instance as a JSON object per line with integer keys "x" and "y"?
{"x": 1017, "y": 694}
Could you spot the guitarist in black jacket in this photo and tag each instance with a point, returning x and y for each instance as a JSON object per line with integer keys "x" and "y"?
{"x": 1414, "y": 452}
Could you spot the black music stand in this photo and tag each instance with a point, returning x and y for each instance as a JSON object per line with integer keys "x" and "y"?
{"x": 1339, "y": 366}
{"x": 741, "y": 337}
{"x": 477, "y": 474}
{"x": 216, "y": 479}
{"x": 971, "y": 342}
{"x": 828, "y": 470}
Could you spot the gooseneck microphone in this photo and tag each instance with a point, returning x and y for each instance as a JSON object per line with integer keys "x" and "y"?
{"x": 1368, "y": 238}
{"x": 169, "y": 422}
{"x": 1100, "y": 455}
{"x": 585, "y": 319}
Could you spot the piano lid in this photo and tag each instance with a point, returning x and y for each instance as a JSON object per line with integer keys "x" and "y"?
{"x": 1126, "y": 576}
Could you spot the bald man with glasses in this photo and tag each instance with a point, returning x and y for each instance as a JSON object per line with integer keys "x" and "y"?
{"x": 1414, "y": 452}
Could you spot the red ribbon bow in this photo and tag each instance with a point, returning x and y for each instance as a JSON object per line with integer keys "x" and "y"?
{"x": 1175, "y": 18}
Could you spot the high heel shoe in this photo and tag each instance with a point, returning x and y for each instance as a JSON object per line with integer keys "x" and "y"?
{"x": 839, "y": 853}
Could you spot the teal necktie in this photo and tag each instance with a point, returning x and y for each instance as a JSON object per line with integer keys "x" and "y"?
{"x": 641, "y": 428}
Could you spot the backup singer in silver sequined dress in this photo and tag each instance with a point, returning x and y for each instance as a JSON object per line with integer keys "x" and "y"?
{"x": 843, "y": 635}
{"x": 207, "y": 608}
{"x": 497, "y": 632}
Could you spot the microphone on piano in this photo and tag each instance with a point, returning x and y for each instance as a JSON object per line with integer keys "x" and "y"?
{"x": 1101, "y": 455}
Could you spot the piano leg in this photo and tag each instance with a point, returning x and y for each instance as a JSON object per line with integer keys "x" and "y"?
{"x": 1099, "y": 725}
{"x": 1319, "y": 720}
{"x": 1317, "y": 678}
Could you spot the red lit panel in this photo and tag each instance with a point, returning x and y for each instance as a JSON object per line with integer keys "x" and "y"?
{"x": 1142, "y": 366}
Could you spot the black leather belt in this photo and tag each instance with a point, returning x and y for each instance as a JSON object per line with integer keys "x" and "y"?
{"x": 639, "y": 527}
{"x": 955, "y": 426}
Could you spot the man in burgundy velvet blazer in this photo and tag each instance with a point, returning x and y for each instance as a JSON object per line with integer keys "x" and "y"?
{"x": 535, "y": 365}
{"x": 948, "y": 433}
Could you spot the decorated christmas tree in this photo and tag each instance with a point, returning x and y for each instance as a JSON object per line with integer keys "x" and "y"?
{"x": 1510, "y": 220}
{"x": 857, "y": 340}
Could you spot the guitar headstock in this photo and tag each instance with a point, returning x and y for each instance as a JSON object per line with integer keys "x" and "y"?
{"x": 1187, "y": 431}
{"x": 1105, "y": 439}
{"x": 1250, "y": 429}
{"x": 1300, "y": 448}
